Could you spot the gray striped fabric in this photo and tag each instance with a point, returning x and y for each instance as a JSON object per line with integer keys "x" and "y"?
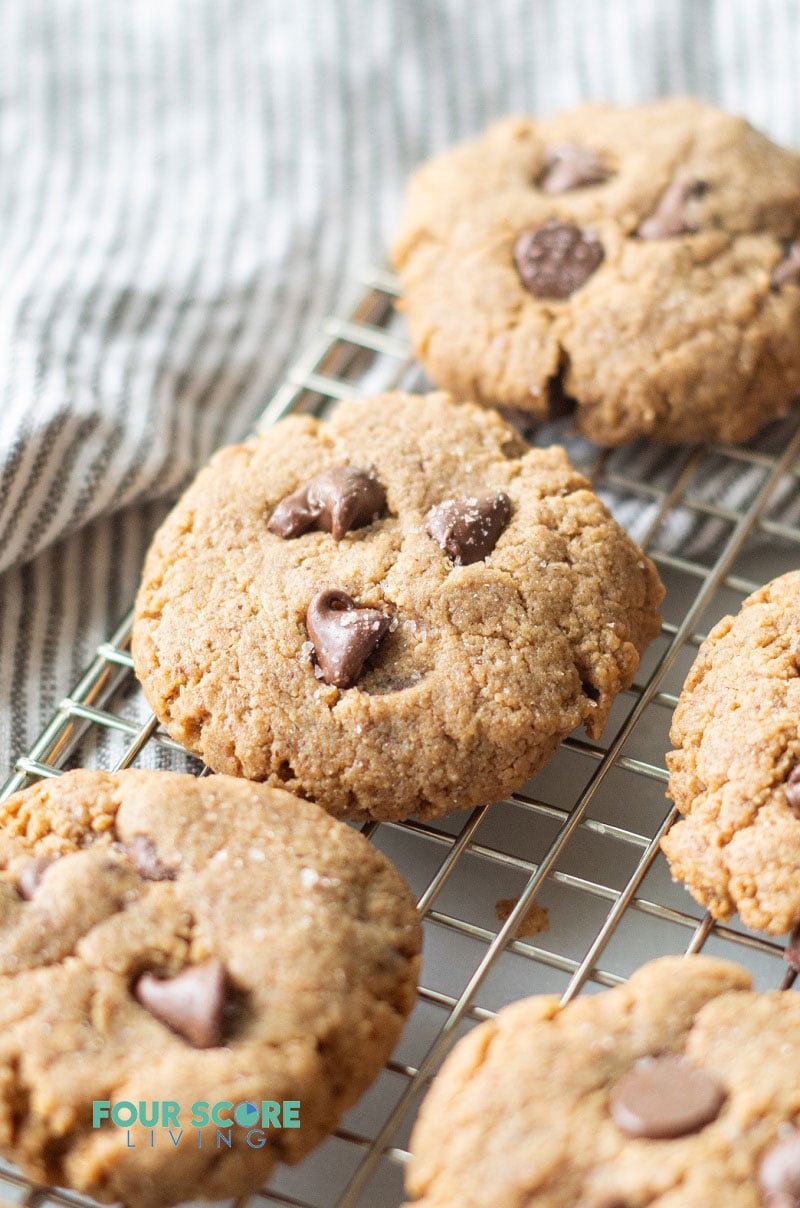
{"x": 188, "y": 187}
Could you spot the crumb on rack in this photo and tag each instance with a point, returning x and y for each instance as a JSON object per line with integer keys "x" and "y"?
{"x": 535, "y": 919}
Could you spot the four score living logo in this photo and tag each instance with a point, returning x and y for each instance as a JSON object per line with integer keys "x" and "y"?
{"x": 162, "y": 1120}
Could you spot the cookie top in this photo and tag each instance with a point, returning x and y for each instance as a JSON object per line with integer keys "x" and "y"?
{"x": 478, "y": 603}
{"x": 164, "y": 937}
{"x": 643, "y": 262}
{"x": 678, "y": 1089}
{"x": 736, "y": 769}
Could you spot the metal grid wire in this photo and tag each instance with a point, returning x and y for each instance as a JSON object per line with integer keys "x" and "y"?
{"x": 581, "y": 838}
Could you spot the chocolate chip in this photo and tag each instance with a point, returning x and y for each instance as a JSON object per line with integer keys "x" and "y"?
{"x": 293, "y": 515}
{"x": 343, "y": 635}
{"x": 556, "y": 259}
{"x": 779, "y": 1173}
{"x": 571, "y": 166}
{"x": 143, "y": 855}
{"x": 665, "y": 1097}
{"x": 31, "y": 875}
{"x": 787, "y": 270}
{"x": 346, "y": 499}
{"x": 468, "y": 529}
{"x": 671, "y": 215}
{"x": 337, "y": 500}
{"x": 191, "y": 1004}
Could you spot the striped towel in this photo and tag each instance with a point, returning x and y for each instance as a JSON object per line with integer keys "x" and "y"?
{"x": 188, "y": 187}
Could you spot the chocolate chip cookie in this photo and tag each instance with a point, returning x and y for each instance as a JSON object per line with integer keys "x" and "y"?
{"x": 678, "y": 1089}
{"x": 644, "y": 263}
{"x": 167, "y": 938}
{"x": 403, "y": 610}
{"x": 736, "y": 770}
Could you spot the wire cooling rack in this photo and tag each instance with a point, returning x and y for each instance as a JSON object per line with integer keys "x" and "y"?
{"x": 579, "y": 841}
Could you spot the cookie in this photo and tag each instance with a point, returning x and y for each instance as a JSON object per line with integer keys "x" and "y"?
{"x": 167, "y": 938}
{"x": 403, "y": 610}
{"x": 639, "y": 265}
{"x": 678, "y": 1089}
{"x": 735, "y": 774}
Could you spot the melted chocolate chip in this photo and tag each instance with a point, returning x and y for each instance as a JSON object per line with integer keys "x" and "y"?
{"x": 556, "y": 259}
{"x": 779, "y": 1173}
{"x": 665, "y": 1097}
{"x": 30, "y": 878}
{"x": 293, "y": 516}
{"x": 671, "y": 216}
{"x": 191, "y": 1004}
{"x": 337, "y": 500}
{"x": 467, "y": 529}
{"x": 343, "y": 635}
{"x": 571, "y": 166}
{"x": 143, "y": 855}
{"x": 787, "y": 270}
{"x": 346, "y": 499}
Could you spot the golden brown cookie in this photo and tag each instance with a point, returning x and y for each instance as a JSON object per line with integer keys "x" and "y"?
{"x": 643, "y": 262}
{"x": 736, "y": 769}
{"x": 167, "y": 938}
{"x": 403, "y": 610}
{"x": 678, "y": 1089}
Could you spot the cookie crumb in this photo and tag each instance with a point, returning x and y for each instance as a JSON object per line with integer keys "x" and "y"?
{"x": 535, "y": 920}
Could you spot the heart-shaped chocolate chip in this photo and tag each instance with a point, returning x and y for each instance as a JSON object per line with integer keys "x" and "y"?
{"x": 191, "y": 1004}
{"x": 571, "y": 166}
{"x": 672, "y": 215}
{"x": 343, "y": 635}
{"x": 665, "y": 1097}
{"x": 337, "y": 500}
{"x": 556, "y": 259}
{"x": 467, "y": 529}
{"x": 779, "y": 1173}
{"x": 30, "y": 878}
{"x": 787, "y": 270}
{"x": 143, "y": 855}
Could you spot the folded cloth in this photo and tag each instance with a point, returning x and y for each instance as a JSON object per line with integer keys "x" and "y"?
{"x": 187, "y": 188}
